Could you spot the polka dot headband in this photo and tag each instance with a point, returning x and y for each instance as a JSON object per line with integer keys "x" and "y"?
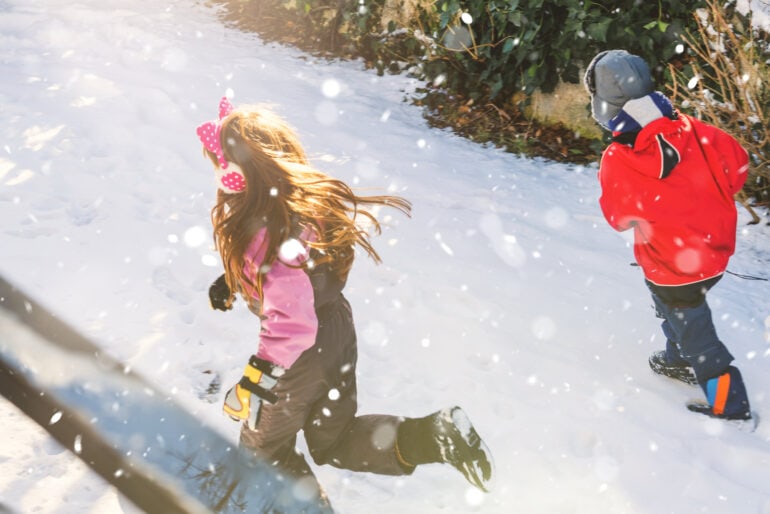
{"x": 229, "y": 175}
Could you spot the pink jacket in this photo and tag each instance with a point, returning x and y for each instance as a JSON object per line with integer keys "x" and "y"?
{"x": 289, "y": 321}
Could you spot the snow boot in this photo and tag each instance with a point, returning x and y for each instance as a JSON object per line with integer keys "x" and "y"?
{"x": 726, "y": 396}
{"x": 747, "y": 422}
{"x": 446, "y": 436}
{"x": 660, "y": 365}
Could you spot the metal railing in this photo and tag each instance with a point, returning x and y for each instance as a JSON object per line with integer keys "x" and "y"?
{"x": 155, "y": 453}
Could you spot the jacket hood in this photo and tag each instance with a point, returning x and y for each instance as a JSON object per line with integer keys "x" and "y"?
{"x": 657, "y": 147}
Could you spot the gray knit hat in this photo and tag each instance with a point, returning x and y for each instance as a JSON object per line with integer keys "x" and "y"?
{"x": 613, "y": 78}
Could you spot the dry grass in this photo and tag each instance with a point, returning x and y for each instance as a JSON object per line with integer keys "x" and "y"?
{"x": 728, "y": 85}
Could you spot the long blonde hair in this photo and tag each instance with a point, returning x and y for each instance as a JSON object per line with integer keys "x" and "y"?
{"x": 285, "y": 194}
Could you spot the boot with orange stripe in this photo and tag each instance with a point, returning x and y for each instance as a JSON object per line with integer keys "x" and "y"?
{"x": 726, "y": 396}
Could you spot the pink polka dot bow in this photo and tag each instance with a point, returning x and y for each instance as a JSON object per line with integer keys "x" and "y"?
{"x": 230, "y": 177}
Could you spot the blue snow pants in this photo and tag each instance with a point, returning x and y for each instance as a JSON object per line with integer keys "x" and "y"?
{"x": 691, "y": 339}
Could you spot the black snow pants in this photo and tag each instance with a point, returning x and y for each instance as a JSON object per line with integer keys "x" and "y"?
{"x": 318, "y": 396}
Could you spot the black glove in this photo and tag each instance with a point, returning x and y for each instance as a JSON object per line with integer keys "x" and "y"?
{"x": 220, "y": 296}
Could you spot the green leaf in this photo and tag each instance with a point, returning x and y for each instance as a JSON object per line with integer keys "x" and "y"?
{"x": 598, "y": 30}
{"x": 515, "y": 18}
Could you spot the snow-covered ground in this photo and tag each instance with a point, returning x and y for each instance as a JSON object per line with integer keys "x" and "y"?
{"x": 506, "y": 292}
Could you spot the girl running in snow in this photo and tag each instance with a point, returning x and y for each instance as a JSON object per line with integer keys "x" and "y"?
{"x": 286, "y": 233}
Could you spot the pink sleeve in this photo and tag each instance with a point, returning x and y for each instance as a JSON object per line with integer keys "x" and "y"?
{"x": 289, "y": 322}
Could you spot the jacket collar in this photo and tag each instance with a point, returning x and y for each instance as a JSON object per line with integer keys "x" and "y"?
{"x": 640, "y": 112}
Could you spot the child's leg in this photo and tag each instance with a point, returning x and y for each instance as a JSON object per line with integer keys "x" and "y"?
{"x": 365, "y": 443}
{"x": 699, "y": 344}
{"x": 673, "y": 353}
{"x": 278, "y": 423}
{"x": 274, "y": 440}
{"x": 726, "y": 396}
{"x": 448, "y": 437}
{"x": 673, "y": 350}
{"x": 285, "y": 457}
{"x": 390, "y": 445}
{"x": 334, "y": 434}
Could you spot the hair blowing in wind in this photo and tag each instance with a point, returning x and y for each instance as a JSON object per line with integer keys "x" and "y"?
{"x": 285, "y": 194}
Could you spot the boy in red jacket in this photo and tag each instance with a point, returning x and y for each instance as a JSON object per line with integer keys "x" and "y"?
{"x": 671, "y": 178}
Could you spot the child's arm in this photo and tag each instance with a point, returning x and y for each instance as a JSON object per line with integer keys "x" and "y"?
{"x": 728, "y": 160}
{"x": 734, "y": 161}
{"x": 289, "y": 323}
{"x": 616, "y": 199}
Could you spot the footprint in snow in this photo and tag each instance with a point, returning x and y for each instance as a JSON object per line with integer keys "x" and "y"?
{"x": 208, "y": 386}
{"x": 81, "y": 215}
{"x": 165, "y": 282}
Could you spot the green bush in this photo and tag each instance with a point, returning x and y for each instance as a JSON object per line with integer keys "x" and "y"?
{"x": 511, "y": 46}
{"x": 523, "y": 45}
{"x": 335, "y": 28}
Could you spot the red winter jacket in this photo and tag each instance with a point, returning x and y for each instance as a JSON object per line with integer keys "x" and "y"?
{"x": 675, "y": 188}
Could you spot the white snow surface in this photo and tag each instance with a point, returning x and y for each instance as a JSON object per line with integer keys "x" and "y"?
{"x": 505, "y": 293}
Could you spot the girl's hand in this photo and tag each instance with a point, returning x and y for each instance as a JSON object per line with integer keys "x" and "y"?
{"x": 244, "y": 400}
{"x": 220, "y": 296}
